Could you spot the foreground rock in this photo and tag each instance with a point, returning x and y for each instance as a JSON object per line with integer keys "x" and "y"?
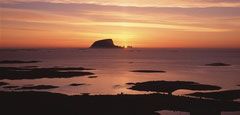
{"x": 217, "y": 64}
{"x": 221, "y": 95}
{"x": 3, "y": 83}
{"x": 17, "y": 62}
{"x": 13, "y": 73}
{"x": 11, "y": 87}
{"x": 170, "y": 86}
{"x": 105, "y": 43}
{"x": 38, "y": 87}
{"x": 76, "y": 84}
{"x": 94, "y": 76}
{"x": 149, "y": 71}
{"x": 43, "y": 103}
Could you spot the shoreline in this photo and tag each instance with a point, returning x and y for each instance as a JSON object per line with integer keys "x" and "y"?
{"x": 122, "y": 104}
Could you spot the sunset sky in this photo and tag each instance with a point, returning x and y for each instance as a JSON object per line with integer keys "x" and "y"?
{"x": 140, "y": 23}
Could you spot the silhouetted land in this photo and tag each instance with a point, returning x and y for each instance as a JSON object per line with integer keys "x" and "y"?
{"x": 35, "y": 73}
{"x": 3, "y": 83}
{"x": 170, "y": 86}
{"x": 37, "y": 87}
{"x": 217, "y": 64}
{"x": 44, "y": 103}
{"x": 105, "y": 43}
{"x": 149, "y": 71}
{"x": 77, "y": 84}
{"x": 221, "y": 95}
{"x": 17, "y": 62}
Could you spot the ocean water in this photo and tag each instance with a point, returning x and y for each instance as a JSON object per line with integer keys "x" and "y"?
{"x": 113, "y": 67}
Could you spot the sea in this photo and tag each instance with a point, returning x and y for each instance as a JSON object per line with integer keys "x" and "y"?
{"x": 113, "y": 68}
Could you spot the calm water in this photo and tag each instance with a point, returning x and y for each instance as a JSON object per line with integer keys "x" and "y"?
{"x": 113, "y": 68}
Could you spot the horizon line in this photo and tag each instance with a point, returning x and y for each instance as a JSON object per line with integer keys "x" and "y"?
{"x": 123, "y": 48}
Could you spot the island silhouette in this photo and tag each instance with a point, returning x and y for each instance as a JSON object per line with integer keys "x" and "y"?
{"x": 104, "y": 43}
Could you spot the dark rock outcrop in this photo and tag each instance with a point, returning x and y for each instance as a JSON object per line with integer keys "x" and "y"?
{"x": 10, "y": 87}
{"x": 218, "y": 64}
{"x": 38, "y": 87}
{"x": 93, "y": 76}
{"x": 171, "y": 86}
{"x": 17, "y": 73}
{"x": 228, "y": 95}
{"x": 149, "y": 71}
{"x": 105, "y": 43}
{"x": 3, "y": 83}
{"x": 77, "y": 84}
{"x": 45, "y": 103}
{"x": 17, "y": 62}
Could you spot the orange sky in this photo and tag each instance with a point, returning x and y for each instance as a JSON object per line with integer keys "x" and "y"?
{"x": 140, "y": 23}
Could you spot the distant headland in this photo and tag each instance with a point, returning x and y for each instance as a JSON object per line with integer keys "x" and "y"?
{"x": 105, "y": 43}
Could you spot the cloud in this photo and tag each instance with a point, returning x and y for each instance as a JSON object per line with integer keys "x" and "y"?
{"x": 79, "y": 15}
{"x": 83, "y": 7}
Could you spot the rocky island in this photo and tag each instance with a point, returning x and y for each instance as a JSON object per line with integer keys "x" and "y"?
{"x": 105, "y": 43}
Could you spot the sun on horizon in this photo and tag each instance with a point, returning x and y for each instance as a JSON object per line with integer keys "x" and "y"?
{"x": 144, "y": 24}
